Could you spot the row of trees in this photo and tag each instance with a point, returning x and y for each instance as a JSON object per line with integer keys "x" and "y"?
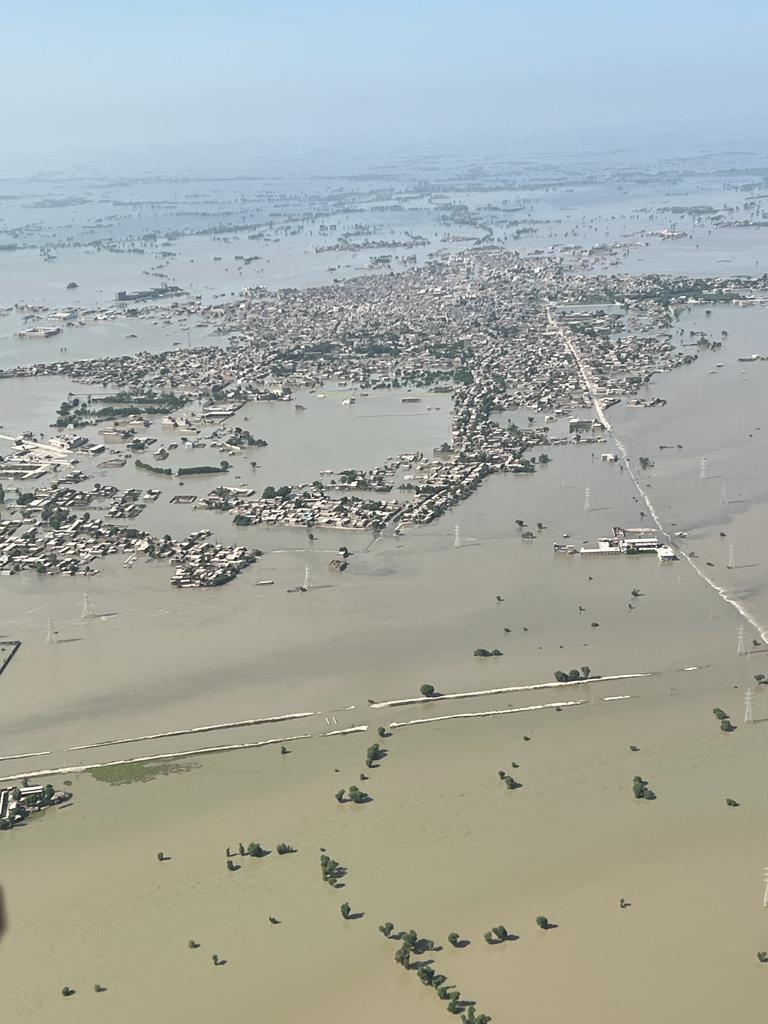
{"x": 412, "y": 945}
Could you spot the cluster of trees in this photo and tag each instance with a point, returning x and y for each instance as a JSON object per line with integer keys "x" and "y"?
{"x": 332, "y": 871}
{"x": 222, "y": 467}
{"x": 373, "y": 754}
{"x": 412, "y": 945}
{"x": 162, "y": 470}
{"x": 280, "y": 492}
{"x": 498, "y": 934}
{"x": 641, "y": 790}
{"x": 240, "y": 438}
{"x": 355, "y": 796}
{"x": 483, "y": 652}
{"x": 573, "y": 674}
{"x": 508, "y": 781}
{"x": 725, "y": 720}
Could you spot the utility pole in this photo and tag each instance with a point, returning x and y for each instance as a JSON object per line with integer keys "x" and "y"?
{"x": 723, "y": 495}
{"x": 730, "y": 557}
{"x": 749, "y": 707}
{"x": 457, "y": 536}
{"x": 587, "y": 499}
{"x": 702, "y": 469}
{"x": 765, "y": 894}
{"x": 51, "y": 638}
{"x": 741, "y": 633}
{"x": 307, "y": 578}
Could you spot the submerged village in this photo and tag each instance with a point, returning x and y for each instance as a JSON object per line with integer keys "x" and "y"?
{"x": 510, "y": 338}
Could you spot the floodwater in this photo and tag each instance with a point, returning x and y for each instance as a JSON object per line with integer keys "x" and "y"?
{"x": 443, "y": 846}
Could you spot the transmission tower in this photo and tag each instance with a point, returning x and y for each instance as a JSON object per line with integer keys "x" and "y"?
{"x": 741, "y": 633}
{"x": 307, "y": 578}
{"x": 749, "y": 707}
{"x": 587, "y": 499}
{"x": 723, "y": 495}
{"x": 51, "y": 637}
{"x": 457, "y": 536}
{"x": 87, "y": 612}
{"x": 702, "y": 469}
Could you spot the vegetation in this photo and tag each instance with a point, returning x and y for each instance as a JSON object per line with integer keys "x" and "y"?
{"x": 427, "y": 690}
{"x": 162, "y": 470}
{"x": 223, "y": 467}
{"x": 641, "y": 790}
{"x": 331, "y": 870}
{"x": 124, "y": 774}
{"x": 482, "y": 652}
{"x": 573, "y": 674}
{"x": 543, "y": 922}
{"x": 357, "y": 796}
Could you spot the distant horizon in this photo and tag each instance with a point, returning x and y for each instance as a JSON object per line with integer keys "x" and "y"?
{"x": 89, "y": 82}
{"x": 244, "y": 158}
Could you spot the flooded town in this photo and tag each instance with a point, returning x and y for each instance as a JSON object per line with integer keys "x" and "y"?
{"x": 382, "y": 523}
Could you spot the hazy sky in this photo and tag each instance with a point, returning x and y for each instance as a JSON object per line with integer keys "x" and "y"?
{"x": 91, "y": 74}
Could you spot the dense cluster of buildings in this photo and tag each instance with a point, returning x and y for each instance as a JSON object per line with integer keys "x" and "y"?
{"x": 506, "y": 335}
{"x": 50, "y": 534}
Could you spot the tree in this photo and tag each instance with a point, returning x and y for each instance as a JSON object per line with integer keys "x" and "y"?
{"x": 386, "y": 928}
{"x": 427, "y": 690}
{"x": 574, "y": 674}
{"x": 339, "y": 796}
{"x": 542, "y": 922}
{"x": 561, "y": 677}
{"x": 585, "y": 671}
{"x": 453, "y": 939}
{"x": 500, "y": 932}
{"x": 269, "y": 492}
{"x": 346, "y": 910}
{"x": 489, "y": 938}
